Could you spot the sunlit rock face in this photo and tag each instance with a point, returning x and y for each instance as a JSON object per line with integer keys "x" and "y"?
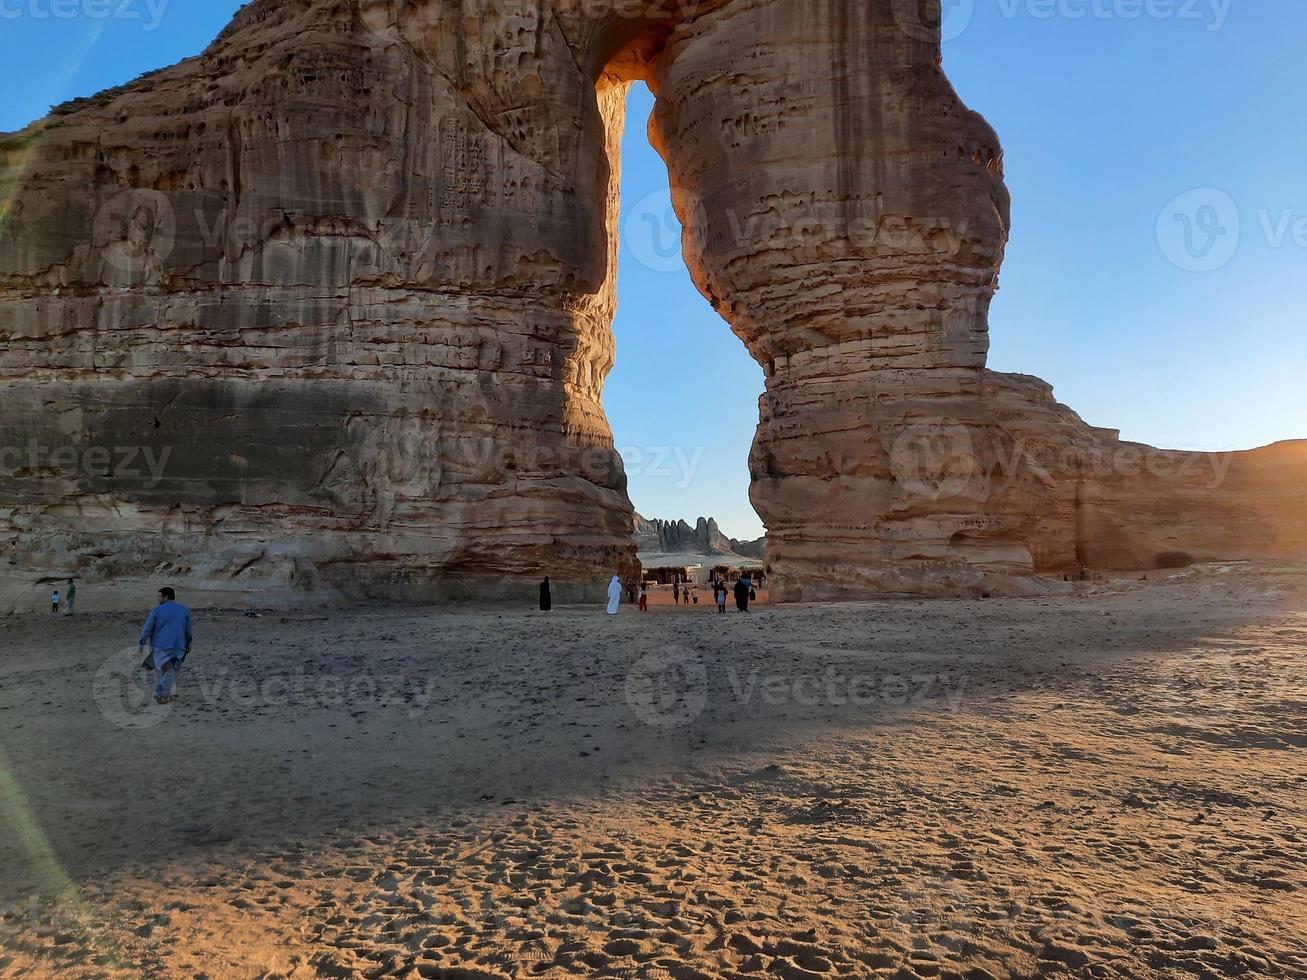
{"x": 329, "y": 306}
{"x": 846, "y": 214}
{"x": 355, "y": 276}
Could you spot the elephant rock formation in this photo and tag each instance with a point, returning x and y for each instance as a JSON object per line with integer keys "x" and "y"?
{"x": 345, "y": 283}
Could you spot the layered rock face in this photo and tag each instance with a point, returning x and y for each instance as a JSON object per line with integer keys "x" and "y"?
{"x": 846, "y": 214}
{"x": 342, "y": 288}
{"x": 350, "y": 274}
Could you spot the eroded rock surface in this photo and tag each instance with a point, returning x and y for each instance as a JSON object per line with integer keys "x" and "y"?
{"x": 347, "y": 280}
{"x": 355, "y": 275}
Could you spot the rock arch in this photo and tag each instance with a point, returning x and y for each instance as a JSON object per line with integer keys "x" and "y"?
{"x": 350, "y": 273}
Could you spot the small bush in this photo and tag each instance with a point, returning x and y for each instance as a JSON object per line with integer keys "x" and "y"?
{"x": 1174, "y": 559}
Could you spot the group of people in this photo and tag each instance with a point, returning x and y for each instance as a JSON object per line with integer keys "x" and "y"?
{"x": 165, "y": 638}
{"x": 743, "y": 591}
{"x": 687, "y": 593}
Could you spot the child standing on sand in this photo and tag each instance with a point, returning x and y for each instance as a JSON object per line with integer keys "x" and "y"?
{"x": 54, "y": 603}
{"x": 644, "y": 598}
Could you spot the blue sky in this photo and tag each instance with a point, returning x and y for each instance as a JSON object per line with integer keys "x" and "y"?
{"x": 1113, "y": 113}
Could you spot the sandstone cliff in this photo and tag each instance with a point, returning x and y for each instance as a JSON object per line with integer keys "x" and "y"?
{"x": 353, "y": 276}
{"x": 347, "y": 279}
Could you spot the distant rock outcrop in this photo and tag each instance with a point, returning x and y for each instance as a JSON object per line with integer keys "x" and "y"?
{"x": 749, "y": 549}
{"x": 679, "y": 537}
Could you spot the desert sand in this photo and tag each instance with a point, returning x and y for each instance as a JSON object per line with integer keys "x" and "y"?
{"x": 1109, "y": 783}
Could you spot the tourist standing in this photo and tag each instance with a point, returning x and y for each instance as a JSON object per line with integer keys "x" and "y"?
{"x": 676, "y": 592}
{"x": 719, "y": 593}
{"x": 54, "y": 603}
{"x": 167, "y": 634}
{"x": 742, "y": 595}
{"x": 546, "y": 596}
{"x": 614, "y": 595}
{"x": 71, "y": 595}
{"x": 644, "y": 598}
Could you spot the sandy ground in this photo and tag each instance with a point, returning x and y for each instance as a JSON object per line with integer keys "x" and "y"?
{"x": 1106, "y": 784}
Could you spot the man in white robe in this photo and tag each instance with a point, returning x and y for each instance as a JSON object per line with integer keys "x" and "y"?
{"x": 614, "y": 595}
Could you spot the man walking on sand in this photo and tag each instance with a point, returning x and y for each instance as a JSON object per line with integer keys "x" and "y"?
{"x": 167, "y": 633}
{"x": 71, "y": 595}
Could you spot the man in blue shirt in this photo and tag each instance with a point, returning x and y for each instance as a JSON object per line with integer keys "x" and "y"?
{"x": 168, "y": 635}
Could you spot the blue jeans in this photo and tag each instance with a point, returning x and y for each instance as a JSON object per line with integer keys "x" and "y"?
{"x": 166, "y": 667}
